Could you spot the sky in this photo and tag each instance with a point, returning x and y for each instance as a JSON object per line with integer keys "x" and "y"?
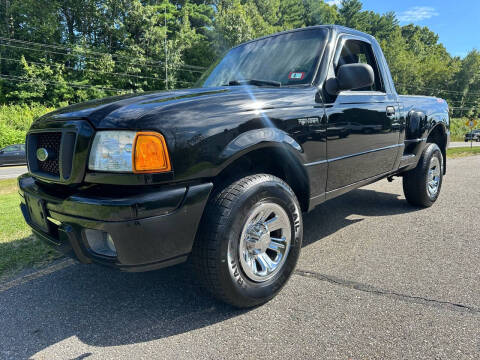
{"x": 456, "y": 22}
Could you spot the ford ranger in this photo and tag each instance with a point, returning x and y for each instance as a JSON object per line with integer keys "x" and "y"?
{"x": 221, "y": 175}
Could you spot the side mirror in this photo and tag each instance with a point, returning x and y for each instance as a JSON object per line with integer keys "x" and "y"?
{"x": 1, "y": 152}
{"x": 351, "y": 77}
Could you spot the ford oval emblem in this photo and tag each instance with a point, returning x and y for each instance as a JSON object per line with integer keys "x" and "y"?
{"x": 42, "y": 154}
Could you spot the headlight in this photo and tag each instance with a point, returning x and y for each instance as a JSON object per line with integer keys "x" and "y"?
{"x": 129, "y": 151}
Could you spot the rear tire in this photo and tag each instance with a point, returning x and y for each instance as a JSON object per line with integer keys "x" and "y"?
{"x": 422, "y": 185}
{"x": 238, "y": 254}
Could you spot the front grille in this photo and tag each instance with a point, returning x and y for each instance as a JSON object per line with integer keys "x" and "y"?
{"x": 50, "y": 141}
{"x": 67, "y": 144}
{"x": 60, "y": 147}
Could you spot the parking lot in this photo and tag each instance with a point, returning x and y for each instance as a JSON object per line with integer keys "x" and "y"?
{"x": 377, "y": 279}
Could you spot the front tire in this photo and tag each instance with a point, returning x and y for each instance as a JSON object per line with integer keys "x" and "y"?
{"x": 249, "y": 241}
{"x": 422, "y": 185}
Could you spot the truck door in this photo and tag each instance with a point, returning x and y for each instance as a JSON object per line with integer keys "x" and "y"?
{"x": 362, "y": 136}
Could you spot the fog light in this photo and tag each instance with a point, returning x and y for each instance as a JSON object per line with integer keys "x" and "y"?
{"x": 100, "y": 242}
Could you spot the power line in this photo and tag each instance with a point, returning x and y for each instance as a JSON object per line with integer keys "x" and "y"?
{"x": 93, "y": 52}
{"x": 464, "y": 101}
{"x": 90, "y": 62}
{"x": 89, "y": 70}
{"x": 58, "y": 53}
{"x": 471, "y": 102}
{"x": 99, "y": 71}
{"x": 80, "y": 53}
{"x": 20, "y": 79}
{"x": 439, "y": 90}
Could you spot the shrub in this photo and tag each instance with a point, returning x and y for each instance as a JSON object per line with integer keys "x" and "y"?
{"x": 458, "y": 129}
{"x": 15, "y": 120}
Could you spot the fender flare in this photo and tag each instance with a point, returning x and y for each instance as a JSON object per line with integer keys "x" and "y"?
{"x": 256, "y": 139}
{"x": 291, "y": 153}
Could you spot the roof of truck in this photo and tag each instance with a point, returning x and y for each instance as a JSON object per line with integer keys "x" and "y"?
{"x": 337, "y": 28}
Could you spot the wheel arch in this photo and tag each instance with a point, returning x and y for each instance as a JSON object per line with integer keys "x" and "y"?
{"x": 269, "y": 151}
{"x": 438, "y": 135}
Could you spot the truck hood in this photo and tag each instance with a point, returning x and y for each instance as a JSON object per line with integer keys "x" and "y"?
{"x": 178, "y": 109}
{"x": 115, "y": 110}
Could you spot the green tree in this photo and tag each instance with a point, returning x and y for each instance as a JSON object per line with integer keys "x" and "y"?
{"x": 292, "y": 14}
{"x": 467, "y": 81}
{"x": 95, "y": 48}
{"x": 269, "y": 10}
{"x": 350, "y": 14}
{"x": 317, "y": 12}
{"x": 232, "y": 24}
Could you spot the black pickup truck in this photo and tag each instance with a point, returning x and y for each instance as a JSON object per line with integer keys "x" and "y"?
{"x": 220, "y": 175}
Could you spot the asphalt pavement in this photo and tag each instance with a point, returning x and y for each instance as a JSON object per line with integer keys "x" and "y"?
{"x": 10, "y": 172}
{"x": 377, "y": 279}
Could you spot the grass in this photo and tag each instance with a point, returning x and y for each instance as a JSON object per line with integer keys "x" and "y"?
{"x": 18, "y": 248}
{"x": 462, "y": 152}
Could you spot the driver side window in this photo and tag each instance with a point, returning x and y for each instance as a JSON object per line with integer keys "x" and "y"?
{"x": 360, "y": 52}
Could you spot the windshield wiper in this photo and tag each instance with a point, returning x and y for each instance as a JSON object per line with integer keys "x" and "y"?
{"x": 254, "y": 82}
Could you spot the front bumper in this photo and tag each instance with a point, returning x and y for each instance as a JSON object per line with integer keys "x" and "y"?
{"x": 151, "y": 227}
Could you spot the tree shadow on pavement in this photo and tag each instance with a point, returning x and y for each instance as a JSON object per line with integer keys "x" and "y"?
{"x": 104, "y": 307}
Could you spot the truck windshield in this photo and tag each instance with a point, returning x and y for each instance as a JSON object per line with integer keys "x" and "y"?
{"x": 284, "y": 59}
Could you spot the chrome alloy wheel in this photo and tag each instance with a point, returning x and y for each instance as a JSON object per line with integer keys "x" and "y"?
{"x": 433, "y": 178}
{"x": 265, "y": 242}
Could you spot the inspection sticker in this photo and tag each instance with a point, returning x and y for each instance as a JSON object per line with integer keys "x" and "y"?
{"x": 296, "y": 76}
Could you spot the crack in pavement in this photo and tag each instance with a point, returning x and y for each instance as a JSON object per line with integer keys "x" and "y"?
{"x": 387, "y": 293}
{"x": 304, "y": 273}
{"x": 36, "y": 275}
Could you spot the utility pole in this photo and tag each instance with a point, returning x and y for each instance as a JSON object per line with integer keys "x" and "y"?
{"x": 166, "y": 50}
{"x": 7, "y": 8}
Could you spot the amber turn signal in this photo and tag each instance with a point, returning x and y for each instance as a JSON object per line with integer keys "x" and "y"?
{"x": 151, "y": 153}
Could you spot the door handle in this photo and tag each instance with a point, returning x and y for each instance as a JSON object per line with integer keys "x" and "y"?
{"x": 390, "y": 112}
